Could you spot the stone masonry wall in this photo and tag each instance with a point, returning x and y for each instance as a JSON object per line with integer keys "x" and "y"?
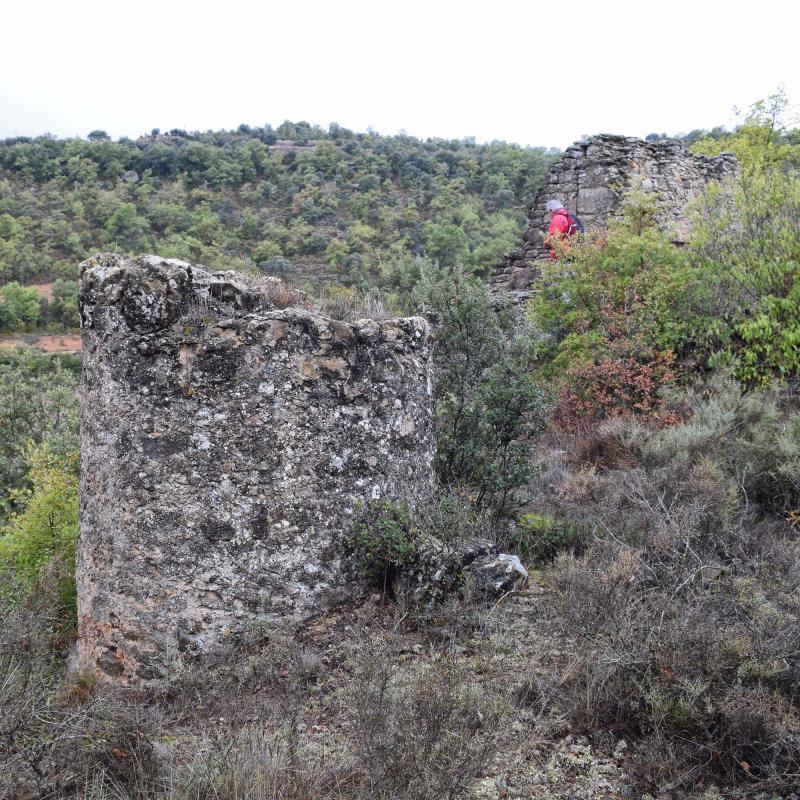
{"x": 590, "y": 180}
{"x": 225, "y": 445}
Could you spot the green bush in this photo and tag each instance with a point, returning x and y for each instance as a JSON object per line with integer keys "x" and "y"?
{"x": 630, "y": 290}
{"x": 747, "y": 243}
{"x": 762, "y": 141}
{"x": 539, "y": 538}
{"x": 20, "y": 307}
{"x": 751, "y": 437}
{"x": 384, "y": 541}
{"x": 489, "y": 407}
{"x": 452, "y": 518}
{"x": 38, "y": 405}
{"x": 730, "y": 297}
{"x": 770, "y": 341}
{"x": 44, "y": 532}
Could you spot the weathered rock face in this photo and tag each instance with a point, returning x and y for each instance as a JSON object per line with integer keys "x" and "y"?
{"x": 225, "y": 445}
{"x": 590, "y": 180}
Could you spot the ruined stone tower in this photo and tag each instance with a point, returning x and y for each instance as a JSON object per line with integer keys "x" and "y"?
{"x": 225, "y": 445}
{"x": 590, "y": 180}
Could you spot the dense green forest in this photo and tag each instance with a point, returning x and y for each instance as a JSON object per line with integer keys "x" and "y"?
{"x": 633, "y": 434}
{"x": 298, "y": 202}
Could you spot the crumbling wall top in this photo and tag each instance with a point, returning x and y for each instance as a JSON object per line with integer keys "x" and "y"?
{"x": 592, "y": 177}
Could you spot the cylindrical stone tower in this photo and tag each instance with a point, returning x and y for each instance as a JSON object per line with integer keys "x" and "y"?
{"x": 225, "y": 445}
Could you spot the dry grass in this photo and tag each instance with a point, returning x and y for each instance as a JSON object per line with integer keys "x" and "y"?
{"x": 679, "y": 624}
{"x": 56, "y": 738}
{"x": 241, "y": 727}
{"x": 254, "y": 293}
{"x": 420, "y": 734}
{"x": 254, "y": 763}
{"x": 274, "y": 292}
{"x": 350, "y": 305}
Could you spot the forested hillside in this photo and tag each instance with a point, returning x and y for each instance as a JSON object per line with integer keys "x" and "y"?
{"x": 298, "y": 202}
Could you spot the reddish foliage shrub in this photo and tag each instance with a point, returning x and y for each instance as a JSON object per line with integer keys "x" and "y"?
{"x": 627, "y": 378}
{"x": 616, "y": 386}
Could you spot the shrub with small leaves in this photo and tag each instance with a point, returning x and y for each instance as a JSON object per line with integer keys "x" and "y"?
{"x": 538, "y": 538}
{"x": 45, "y": 531}
{"x": 490, "y": 409}
{"x": 678, "y": 622}
{"x": 384, "y": 540}
{"x": 420, "y": 735}
{"x": 616, "y": 385}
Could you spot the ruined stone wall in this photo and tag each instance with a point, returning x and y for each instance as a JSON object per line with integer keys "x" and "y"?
{"x": 225, "y": 445}
{"x": 590, "y": 180}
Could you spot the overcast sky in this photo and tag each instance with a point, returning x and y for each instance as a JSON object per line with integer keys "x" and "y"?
{"x": 529, "y": 72}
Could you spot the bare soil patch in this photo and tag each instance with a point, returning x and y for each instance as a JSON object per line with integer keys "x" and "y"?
{"x": 46, "y": 342}
{"x": 45, "y": 290}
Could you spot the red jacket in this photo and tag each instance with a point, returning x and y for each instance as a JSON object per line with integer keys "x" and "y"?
{"x": 559, "y": 229}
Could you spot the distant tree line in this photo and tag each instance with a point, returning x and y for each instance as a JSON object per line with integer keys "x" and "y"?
{"x": 320, "y": 206}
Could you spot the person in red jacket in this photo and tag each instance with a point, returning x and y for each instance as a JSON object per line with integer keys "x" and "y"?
{"x": 559, "y": 230}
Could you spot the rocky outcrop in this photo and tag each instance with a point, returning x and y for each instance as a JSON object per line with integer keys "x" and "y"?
{"x": 590, "y": 180}
{"x": 495, "y": 574}
{"x": 441, "y": 567}
{"x": 225, "y": 445}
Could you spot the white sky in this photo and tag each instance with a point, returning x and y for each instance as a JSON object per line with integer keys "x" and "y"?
{"x": 529, "y": 72}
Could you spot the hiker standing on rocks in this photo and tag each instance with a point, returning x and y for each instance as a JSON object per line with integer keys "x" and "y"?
{"x": 562, "y": 226}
